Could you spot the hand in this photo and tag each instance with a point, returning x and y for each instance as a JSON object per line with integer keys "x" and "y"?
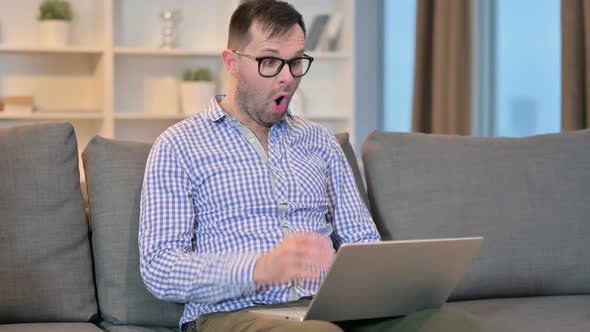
{"x": 302, "y": 256}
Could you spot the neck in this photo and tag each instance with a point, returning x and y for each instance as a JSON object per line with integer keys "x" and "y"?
{"x": 232, "y": 107}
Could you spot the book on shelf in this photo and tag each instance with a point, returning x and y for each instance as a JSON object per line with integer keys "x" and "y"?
{"x": 330, "y": 35}
{"x": 17, "y": 104}
{"x": 317, "y": 26}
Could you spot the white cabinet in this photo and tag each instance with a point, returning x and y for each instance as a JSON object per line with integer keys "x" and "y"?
{"x": 97, "y": 83}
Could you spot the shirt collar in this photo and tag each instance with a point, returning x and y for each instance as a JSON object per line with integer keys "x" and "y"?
{"x": 214, "y": 112}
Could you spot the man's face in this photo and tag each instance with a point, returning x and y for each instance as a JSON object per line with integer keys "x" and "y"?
{"x": 265, "y": 99}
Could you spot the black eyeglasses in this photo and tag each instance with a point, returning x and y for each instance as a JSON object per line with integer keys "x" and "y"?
{"x": 270, "y": 66}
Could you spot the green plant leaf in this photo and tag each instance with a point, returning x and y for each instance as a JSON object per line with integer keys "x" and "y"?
{"x": 55, "y": 10}
{"x": 202, "y": 74}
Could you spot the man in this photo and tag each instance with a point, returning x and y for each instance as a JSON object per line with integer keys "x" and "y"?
{"x": 244, "y": 204}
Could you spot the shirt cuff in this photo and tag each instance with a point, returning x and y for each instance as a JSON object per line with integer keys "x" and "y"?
{"x": 242, "y": 272}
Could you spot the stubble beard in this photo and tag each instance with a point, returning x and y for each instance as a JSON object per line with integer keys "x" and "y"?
{"x": 256, "y": 113}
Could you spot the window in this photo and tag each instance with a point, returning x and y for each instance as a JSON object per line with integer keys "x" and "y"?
{"x": 399, "y": 23}
{"x": 517, "y": 87}
{"x": 528, "y": 72}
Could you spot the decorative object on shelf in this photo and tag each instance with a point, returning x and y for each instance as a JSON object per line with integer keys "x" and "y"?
{"x": 196, "y": 90}
{"x": 54, "y": 23}
{"x": 297, "y": 104}
{"x": 17, "y": 105}
{"x": 161, "y": 96}
{"x": 330, "y": 35}
{"x": 170, "y": 18}
{"x": 317, "y": 27}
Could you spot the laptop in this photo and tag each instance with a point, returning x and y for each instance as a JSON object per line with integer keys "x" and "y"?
{"x": 385, "y": 279}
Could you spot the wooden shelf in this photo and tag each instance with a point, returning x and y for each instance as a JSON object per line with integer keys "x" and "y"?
{"x": 326, "y": 117}
{"x": 209, "y": 53}
{"x": 148, "y": 116}
{"x": 113, "y": 52}
{"x": 45, "y": 115}
{"x": 38, "y": 49}
{"x": 160, "y": 52}
{"x": 328, "y": 55}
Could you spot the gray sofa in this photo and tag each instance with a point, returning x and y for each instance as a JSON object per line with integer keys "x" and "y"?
{"x": 529, "y": 198}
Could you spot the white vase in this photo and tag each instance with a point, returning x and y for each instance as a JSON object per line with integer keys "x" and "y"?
{"x": 160, "y": 96}
{"x": 195, "y": 96}
{"x": 54, "y": 33}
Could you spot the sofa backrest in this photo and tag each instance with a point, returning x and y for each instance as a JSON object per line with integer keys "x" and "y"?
{"x": 45, "y": 262}
{"x": 529, "y": 197}
{"x": 114, "y": 176}
{"x": 344, "y": 141}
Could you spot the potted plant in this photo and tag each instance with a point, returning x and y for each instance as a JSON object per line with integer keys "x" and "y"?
{"x": 54, "y": 22}
{"x": 196, "y": 89}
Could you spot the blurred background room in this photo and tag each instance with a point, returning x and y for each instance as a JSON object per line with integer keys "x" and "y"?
{"x": 128, "y": 69}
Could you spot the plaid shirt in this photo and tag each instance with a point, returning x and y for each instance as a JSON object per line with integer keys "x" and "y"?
{"x": 213, "y": 201}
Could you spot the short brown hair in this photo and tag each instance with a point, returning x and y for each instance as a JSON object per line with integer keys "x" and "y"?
{"x": 275, "y": 16}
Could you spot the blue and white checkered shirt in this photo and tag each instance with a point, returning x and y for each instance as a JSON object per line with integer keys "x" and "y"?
{"x": 213, "y": 201}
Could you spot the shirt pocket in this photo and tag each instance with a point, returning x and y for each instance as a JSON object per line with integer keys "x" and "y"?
{"x": 310, "y": 172}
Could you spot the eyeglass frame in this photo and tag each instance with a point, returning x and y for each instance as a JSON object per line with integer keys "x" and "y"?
{"x": 259, "y": 59}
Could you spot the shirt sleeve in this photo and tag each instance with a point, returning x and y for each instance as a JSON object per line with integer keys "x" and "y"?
{"x": 170, "y": 267}
{"x": 347, "y": 212}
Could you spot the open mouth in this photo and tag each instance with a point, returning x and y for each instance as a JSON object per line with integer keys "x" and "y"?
{"x": 278, "y": 100}
{"x": 279, "y": 104}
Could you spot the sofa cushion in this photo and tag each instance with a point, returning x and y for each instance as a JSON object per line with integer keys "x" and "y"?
{"x": 50, "y": 327}
{"x": 114, "y": 175}
{"x": 45, "y": 262}
{"x": 529, "y": 197}
{"x": 344, "y": 141}
{"x": 534, "y": 314}
{"x": 123, "y": 328}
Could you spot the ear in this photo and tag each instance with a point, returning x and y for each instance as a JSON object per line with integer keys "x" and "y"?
{"x": 230, "y": 60}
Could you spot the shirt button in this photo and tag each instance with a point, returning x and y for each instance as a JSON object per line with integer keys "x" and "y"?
{"x": 252, "y": 139}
